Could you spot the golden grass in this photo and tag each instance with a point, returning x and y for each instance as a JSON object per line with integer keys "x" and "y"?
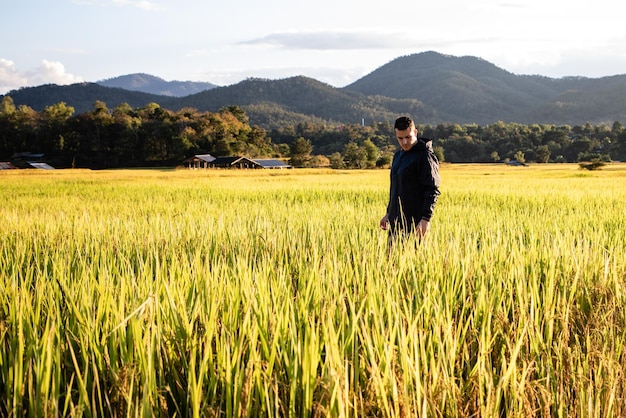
{"x": 269, "y": 293}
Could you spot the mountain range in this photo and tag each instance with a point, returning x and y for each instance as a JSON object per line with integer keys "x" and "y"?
{"x": 432, "y": 87}
{"x": 155, "y": 85}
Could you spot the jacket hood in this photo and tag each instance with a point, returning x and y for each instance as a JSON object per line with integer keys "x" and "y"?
{"x": 423, "y": 143}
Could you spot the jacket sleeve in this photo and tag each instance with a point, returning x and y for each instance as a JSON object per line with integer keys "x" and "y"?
{"x": 430, "y": 180}
{"x": 391, "y": 183}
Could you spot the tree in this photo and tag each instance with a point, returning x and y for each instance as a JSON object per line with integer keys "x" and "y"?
{"x": 464, "y": 149}
{"x": 384, "y": 161}
{"x": 319, "y": 161}
{"x": 222, "y": 148}
{"x": 354, "y": 156}
{"x": 542, "y": 155}
{"x": 282, "y": 150}
{"x": 438, "y": 151}
{"x": 54, "y": 122}
{"x": 595, "y": 164}
{"x": 26, "y": 134}
{"x": 336, "y": 160}
{"x": 300, "y": 151}
{"x": 577, "y": 148}
{"x": 128, "y": 147}
{"x": 102, "y": 120}
{"x": 238, "y": 113}
{"x": 7, "y": 106}
{"x": 8, "y": 125}
{"x": 371, "y": 153}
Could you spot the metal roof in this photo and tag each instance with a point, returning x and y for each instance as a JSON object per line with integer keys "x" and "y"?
{"x": 205, "y": 157}
{"x": 270, "y": 163}
{"x": 226, "y": 161}
{"x": 5, "y": 165}
{"x": 238, "y": 161}
{"x": 42, "y": 166}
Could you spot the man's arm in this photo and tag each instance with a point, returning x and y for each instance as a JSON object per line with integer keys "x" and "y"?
{"x": 430, "y": 181}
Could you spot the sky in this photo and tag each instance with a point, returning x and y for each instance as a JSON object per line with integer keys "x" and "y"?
{"x": 334, "y": 41}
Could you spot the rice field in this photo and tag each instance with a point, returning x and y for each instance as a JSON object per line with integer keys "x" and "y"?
{"x": 138, "y": 293}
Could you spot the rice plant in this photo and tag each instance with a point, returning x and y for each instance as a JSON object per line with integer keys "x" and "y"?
{"x": 262, "y": 293}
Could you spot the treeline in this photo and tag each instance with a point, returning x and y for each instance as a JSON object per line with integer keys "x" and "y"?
{"x": 151, "y": 136}
{"x": 126, "y": 137}
{"x": 356, "y": 146}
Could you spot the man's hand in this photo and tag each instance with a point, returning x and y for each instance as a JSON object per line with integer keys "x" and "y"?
{"x": 384, "y": 223}
{"x": 422, "y": 228}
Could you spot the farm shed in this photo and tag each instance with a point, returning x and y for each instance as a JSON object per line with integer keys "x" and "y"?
{"x": 41, "y": 166}
{"x": 30, "y": 160}
{"x": 199, "y": 161}
{"x": 234, "y": 162}
{"x": 269, "y": 163}
{"x": 5, "y": 165}
{"x": 208, "y": 161}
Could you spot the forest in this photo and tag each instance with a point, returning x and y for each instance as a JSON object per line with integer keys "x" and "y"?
{"x": 154, "y": 136}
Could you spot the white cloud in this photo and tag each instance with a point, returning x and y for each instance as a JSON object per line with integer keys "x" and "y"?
{"x": 49, "y": 72}
{"x": 141, "y": 4}
{"x": 10, "y": 77}
{"x": 327, "y": 40}
{"x": 54, "y": 72}
{"x": 359, "y": 40}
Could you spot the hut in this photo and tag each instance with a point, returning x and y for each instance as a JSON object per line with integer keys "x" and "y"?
{"x": 208, "y": 161}
{"x": 6, "y": 165}
{"x": 39, "y": 165}
{"x": 199, "y": 161}
{"x": 234, "y": 162}
{"x": 272, "y": 164}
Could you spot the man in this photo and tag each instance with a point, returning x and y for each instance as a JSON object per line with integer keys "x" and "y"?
{"x": 414, "y": 183}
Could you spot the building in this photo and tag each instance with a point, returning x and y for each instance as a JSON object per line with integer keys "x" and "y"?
{"x": 270, "y": 163}
{"x": 208, "y": 161}
{"x": 6, "y": 165}
{"x": 199, "y": 161}
{"x": 41, "y": 166}
{"x": 29, "y": 160}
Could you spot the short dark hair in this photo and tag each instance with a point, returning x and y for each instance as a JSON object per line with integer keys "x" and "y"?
{"x": 404, "y": 122}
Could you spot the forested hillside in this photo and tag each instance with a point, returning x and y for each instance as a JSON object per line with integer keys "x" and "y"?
{"x": 81, "y": 97}
{"x": 432, "y": 87}
{"x": 152, "y": 135}
{"x": 300, "y": 96}
{"x": 473, "y": 110}
{"x": 472, "y": 90}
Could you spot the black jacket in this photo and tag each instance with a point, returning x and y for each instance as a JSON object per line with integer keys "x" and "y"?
{"x": 414, "y": 185}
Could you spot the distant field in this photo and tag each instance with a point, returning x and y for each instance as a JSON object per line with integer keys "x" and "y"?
{"x": 269, "y": 293}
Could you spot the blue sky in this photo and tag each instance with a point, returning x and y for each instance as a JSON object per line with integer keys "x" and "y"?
{"x": 333, "y": 41}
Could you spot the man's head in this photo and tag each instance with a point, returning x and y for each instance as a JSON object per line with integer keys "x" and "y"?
{"x": 406, "y": 132}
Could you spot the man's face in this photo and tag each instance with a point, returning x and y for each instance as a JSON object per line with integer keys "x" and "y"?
{"x": 406, "y": 138}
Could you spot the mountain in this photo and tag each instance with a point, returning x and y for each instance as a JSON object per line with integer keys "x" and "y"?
{"x": 81, "y": 96}
{"x": 470, "y": 89}
{"x": 432, "y": 87}
{"x": 154, "y": 85}
{"x": 298, "y": 99}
